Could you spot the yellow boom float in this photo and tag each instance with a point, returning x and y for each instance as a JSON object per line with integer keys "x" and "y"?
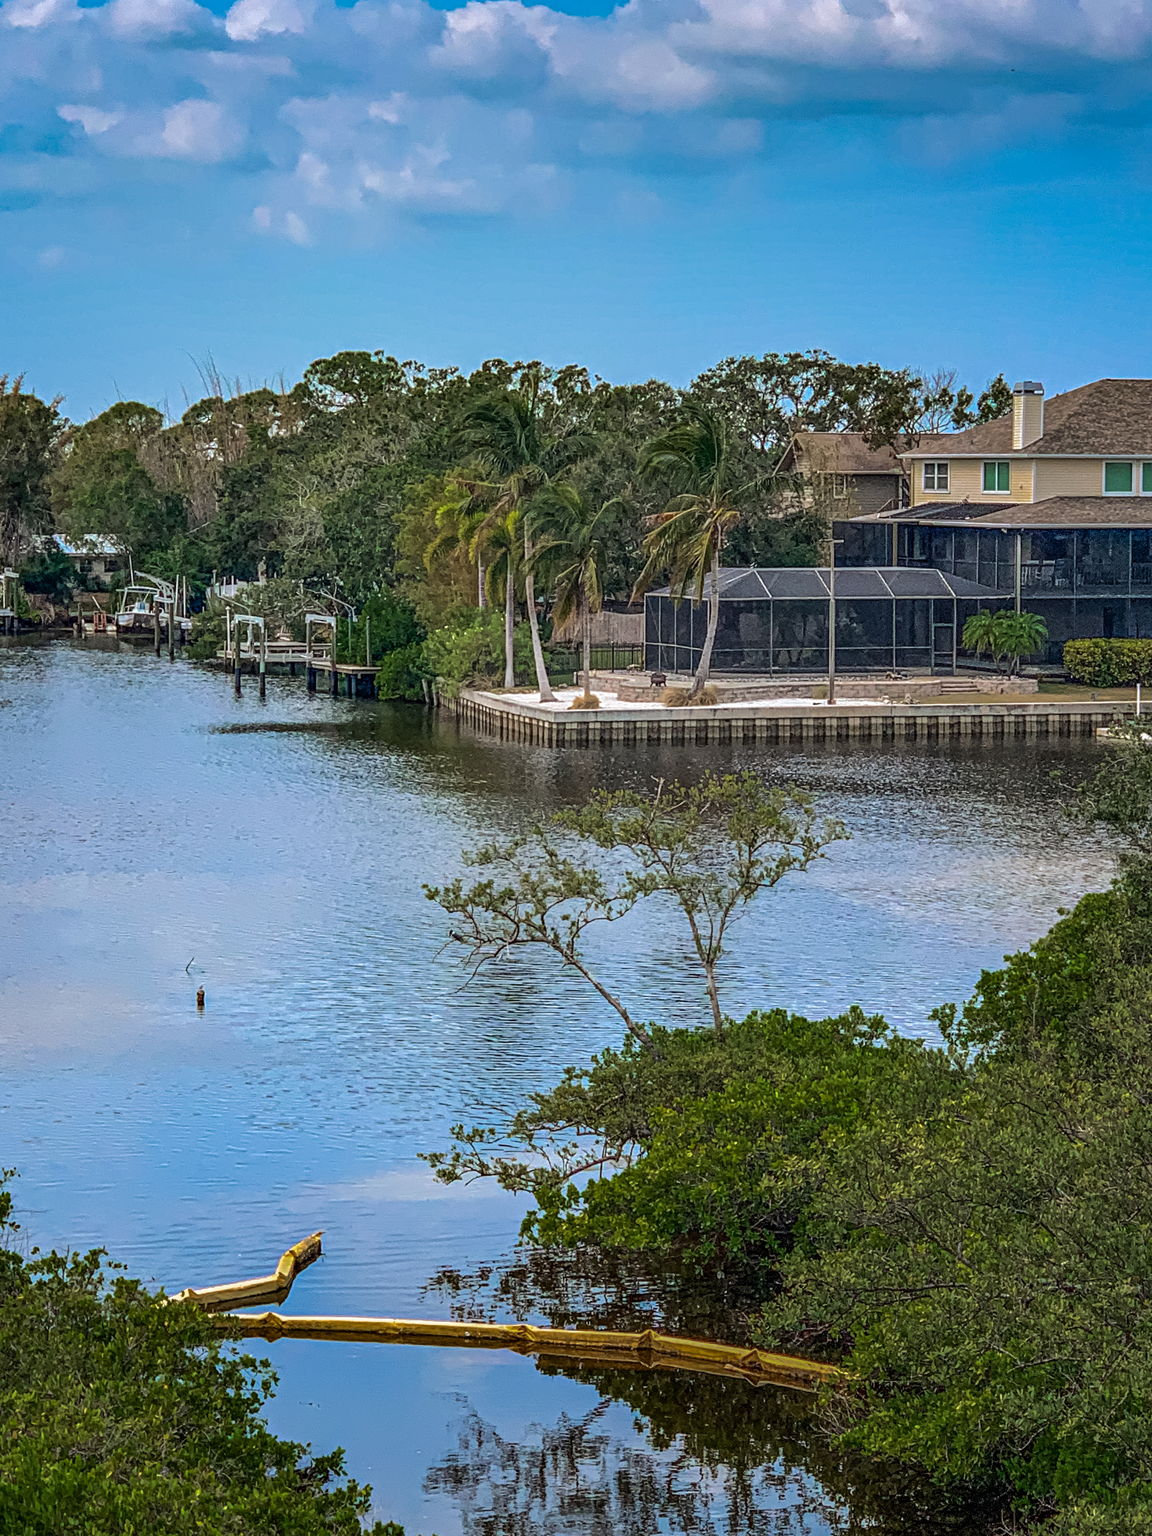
{"x": 648, "y": 1350}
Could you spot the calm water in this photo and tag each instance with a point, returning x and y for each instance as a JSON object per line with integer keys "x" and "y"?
{"x": 156, "y": 834}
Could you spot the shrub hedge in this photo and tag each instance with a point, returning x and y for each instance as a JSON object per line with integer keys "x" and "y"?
{"x": 1108, "y": 663}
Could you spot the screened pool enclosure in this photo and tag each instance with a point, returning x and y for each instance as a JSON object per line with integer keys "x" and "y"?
{"x": 888, "y": 618}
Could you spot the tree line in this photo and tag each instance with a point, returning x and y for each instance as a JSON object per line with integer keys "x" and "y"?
{"x": 519, "y": 492}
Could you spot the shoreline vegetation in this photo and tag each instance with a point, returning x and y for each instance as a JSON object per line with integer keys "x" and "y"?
{"x": 964, "y": 1226}
{"x": 460, "y": 526}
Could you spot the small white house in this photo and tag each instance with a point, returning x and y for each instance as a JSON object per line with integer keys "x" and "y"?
{"x": 100, "y": 560}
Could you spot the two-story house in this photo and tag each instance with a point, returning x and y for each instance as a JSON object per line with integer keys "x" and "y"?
{"x": 1051, "y": 506}
{"x": 843, "y": 475}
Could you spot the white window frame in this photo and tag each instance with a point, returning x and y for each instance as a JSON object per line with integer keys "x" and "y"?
{"x": 984, "y": 490}
{"x": 1104, "y": 478}
{"x": 936, "y": 465}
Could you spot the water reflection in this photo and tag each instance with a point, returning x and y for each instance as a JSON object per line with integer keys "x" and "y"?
{"x": 151, "y": 821}
{"x": 694, "y": 1456}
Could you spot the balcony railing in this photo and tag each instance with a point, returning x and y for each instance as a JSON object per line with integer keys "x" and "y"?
{"x": 1046, "y": 575}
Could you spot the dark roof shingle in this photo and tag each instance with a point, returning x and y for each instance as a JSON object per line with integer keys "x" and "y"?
{"x": 1056, "y": 512}
{"x": 1107, "y": 416}
{"x": 841, "y": 453}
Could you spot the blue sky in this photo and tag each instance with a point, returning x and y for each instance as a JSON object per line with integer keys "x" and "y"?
{"x": 935, "y": 183}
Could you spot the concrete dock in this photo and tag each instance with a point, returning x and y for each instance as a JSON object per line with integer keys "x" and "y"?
{"x": 513, "y": 718}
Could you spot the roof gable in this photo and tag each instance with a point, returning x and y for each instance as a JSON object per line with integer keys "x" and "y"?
{"x": 840, "y": 453}
{"x": 1107, "y": 416}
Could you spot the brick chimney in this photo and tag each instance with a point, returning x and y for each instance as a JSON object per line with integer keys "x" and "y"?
{"x": 1027, "y": 413}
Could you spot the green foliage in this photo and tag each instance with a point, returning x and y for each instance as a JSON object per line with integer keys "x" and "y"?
{"x": 772, "y": 397}
{"x": 402, "y": 673}
{"x": 326, "y": 482}
{"x": 50, "y": 573}
{"x": 30, "y": 433}
{"x": 686, "y": 538}
{"x": 384, "y": 623}
{"x": 103, "y": 485}
{"x": 471, "y": 650}
{"x": 721, "y": 1135}
{"x": 126, "y": 1416}
{"x": 209, "y": 631}
{"x": 1108, "y": 663}
{"x": 1005, "y": 634}
{"x": 968, "y": 1225}
{"x": 986, "y": 1255}
{"x": 1119, "y": 796}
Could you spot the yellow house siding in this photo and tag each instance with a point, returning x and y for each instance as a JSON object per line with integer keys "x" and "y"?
{"x": 966, "y": 483}
{"x": 1029, "y": 480}
{"x": 1072, "y": 477}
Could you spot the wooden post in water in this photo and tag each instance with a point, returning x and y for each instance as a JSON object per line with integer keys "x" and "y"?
{"x": 156, "y": 624}
{"x": 172, "y": 627}
{"x": 264, "y": 660}
{"x": 236, "y": 684}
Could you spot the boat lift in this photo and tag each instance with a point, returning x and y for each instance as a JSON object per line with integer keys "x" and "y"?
{"x": 9, "y": 586}
{"x": 253, "y": 623}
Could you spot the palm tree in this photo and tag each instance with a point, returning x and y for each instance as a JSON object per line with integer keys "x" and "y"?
{"x": 448, "y": 503}
{"x": 982, "y": 635}
{"x": 507, "y": 437}
{"x": 687, "y": 537}
{"x": 571, "y": 542}
{"x": 499, "y": 538}
{"x": 1021, "y": 634}
{"x": 468, "y": 523}
{"x": 1005, "y": 634}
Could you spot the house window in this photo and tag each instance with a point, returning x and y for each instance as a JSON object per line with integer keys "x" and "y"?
{"x": 841, "y": 486}
{"x": 1146, "y": 479}
{"x": 936, "y": 475}
{"x": 996, "y": 474}
{"x": 1118, "y": 479}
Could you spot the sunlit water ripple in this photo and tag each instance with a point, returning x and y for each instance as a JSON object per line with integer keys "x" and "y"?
{"x": 150, "y": 846}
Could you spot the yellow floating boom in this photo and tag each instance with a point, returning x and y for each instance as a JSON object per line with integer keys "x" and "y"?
{"x": 273, "y": 1287}
{"x": 646, "y": 1350}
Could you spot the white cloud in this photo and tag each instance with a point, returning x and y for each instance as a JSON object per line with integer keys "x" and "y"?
{"x": 93, "y": 120}
{"x": 287, "y": 224}
{"x": 37, "y": 13}
{"x": 496, "y": 39}
{"x": 197, "y": 130}
{"x": 386, "y": 108}
{"x": 154, "y": 18}
{"x": 249, "y": 20}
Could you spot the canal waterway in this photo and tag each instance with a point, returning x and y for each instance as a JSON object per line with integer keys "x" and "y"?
{"x": 157, "y": 834}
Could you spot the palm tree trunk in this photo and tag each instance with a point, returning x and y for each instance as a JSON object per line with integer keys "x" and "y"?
{"x": 586, "y": 625}
{"x": 542, "y": 683}
{"x": 699, "y": 682}
{"x": 480, "y": 599}
{"x": 509, "y": 626}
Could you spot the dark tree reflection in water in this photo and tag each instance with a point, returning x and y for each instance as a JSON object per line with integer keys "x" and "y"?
{"x": 703, "y": 1456}
{"x": 578, "y": 1476}
{"x": 706, "y": 1457}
